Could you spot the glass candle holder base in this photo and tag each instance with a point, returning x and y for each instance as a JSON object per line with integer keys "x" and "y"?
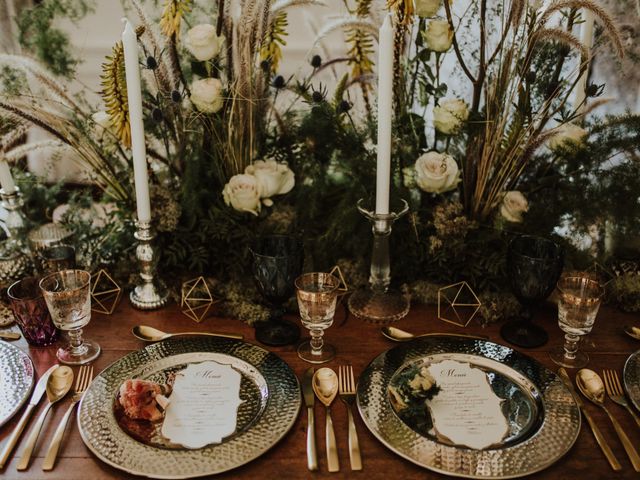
{"x": 379, "y": 307}
{"x": 87, "y": 352}
{"x": 276, "y": 333}
{"x": 557, "y": 355}
{"x": 306, "y": 353}
{"x": 524, "y": 334}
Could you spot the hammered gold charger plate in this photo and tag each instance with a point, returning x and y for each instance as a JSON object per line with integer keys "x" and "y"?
{"x": 269, "y": 390}
{"x": 543, "y": 418}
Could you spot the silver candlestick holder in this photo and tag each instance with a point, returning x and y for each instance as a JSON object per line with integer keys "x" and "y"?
{"x": 16, "y": 222}
{"x": 378, "y": 303}
{"x": 151, "y": 293}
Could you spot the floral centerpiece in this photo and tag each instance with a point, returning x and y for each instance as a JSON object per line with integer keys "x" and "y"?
{"x": 235, "y": 148}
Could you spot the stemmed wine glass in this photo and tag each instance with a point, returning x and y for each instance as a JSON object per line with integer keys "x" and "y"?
{"x": 578, "y": 305}
{"x": 69, "y": 302}
{"x": 277, "y": 261}
{"x": 317, "y": 295}
{"x": 534, "y": 265}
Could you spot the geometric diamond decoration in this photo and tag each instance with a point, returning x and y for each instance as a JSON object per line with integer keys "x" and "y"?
{"x": 105, "y": 293}
{"x": 196, "y": 299}
{"x": 343, "y": 288}
{"x": 457, "y": 304}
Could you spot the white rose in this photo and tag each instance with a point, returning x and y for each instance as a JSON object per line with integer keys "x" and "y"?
{"x": 438, "y": 35}
{"x": 568, "y": 135}
{"x": 203, "y": 43}
{"x": 436, "y": 172}
{"x": 514, "y": 204}
{"x": 427, "y": 8}
{"x": 206, "y": 95}
{"x": 242, "y": 193}
{"x": 449, "y": 116}
{"x": 273, "y": 178}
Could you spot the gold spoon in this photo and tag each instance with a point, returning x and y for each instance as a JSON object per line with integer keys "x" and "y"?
{"x": 591, "y": 386}
{"x": 325, "y": 386}
{"x": 58, "y": 385}
{"x": 399, "y": 335}
{"x": 150, "y": 334}
{"x": 10, "y": 335}
{"x": 633, "y": 332}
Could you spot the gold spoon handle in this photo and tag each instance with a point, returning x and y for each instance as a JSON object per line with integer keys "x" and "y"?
{"x": 332, "y": 450}
{"x": 626, "y": 443}
{"x": 25, "y": 458}
{"x": 54, "y": 446}
{"x": 213, "y": 334}
{"x": 604, "y": 445}
{"x": 15, "y": 435}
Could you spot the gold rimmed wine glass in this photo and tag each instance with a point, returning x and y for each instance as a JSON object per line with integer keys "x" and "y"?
{"x": 317, "y": 294}
{"x": 69, "y": 302}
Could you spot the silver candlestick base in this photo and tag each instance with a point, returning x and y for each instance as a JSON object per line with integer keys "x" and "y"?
{"x": 16, "y": 222}
{"x": 377, "y": 303}
{"x": 151, "y": 293}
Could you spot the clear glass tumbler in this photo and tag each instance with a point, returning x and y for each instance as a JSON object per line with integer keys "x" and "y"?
{"x": 578, "y": 304}
{"x": 67, "y": 294}
{"x": 317, "y": 295}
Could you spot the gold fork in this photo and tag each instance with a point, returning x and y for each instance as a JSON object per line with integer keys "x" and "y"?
{"x": 85, "y": 375}
{"x": 347, "y": 393}
{"x": 614, "y": 390}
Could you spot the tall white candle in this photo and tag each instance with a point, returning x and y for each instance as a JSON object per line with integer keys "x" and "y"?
{"x": 385, "y": 112}
{"x": 586, "y": 38}
{"x": 6, "y": 180}
{"x": 134, "y": 95}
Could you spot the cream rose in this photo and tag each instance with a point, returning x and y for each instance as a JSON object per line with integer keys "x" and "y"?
{"x": 568, "y": 135}
{"x": 436, "y": 172}
{"x": 243, "y": 193}
{"x": 273, "y": 178}
{"x": 203, "y": 43}
{"x": 449, "y": 116}
{"x": 514, "y": 204}
{"x": 438, "y": 35}
{"x": 206, "y": 95}
{"x": 427, "y": 8}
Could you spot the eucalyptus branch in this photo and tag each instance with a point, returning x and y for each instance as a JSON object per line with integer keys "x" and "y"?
{"x": 456, "y": 47}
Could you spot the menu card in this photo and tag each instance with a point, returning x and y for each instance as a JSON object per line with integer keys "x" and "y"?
{"x": 203, "y": 407}
{"x": 466, "y": 410}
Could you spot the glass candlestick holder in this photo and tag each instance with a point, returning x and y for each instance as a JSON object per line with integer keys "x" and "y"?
{"x": 151, "y": 293}
{"x": 378, "y": 303}
{"x": 15, "y": 221}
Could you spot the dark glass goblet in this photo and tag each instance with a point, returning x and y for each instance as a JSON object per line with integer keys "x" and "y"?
{"x": 277, "y": 262}
{"x": 534, "y": 265}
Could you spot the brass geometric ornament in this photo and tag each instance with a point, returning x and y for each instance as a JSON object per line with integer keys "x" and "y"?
{"x": 343, "y": 289}
{"x": 458, "y": 304}
{"x": 105, "y": 293}
{"x": 196, "y": 299}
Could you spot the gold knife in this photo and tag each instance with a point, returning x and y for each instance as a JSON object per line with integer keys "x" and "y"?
{"x": 613, "y": 461}
{"x": 35, "y": 399}
{"x": 309, "y": 400}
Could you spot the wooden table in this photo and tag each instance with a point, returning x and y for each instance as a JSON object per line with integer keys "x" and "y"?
{"x": 357, "y": 343}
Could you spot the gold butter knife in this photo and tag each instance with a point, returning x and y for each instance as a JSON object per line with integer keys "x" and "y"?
{"x": 606, "y": 449}
{"x": 309, "y": 400}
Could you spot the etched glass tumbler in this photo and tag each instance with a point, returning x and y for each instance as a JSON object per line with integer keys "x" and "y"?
{"x": 68, "y": 298}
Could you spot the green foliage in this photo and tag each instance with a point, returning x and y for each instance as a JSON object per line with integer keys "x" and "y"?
{"x": 50, "y": 44}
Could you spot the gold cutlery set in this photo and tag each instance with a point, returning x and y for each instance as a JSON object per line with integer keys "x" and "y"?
{"x": 592, "y": 387}
{"x": 56, "y": 383}
{"x": 326, "y": 385}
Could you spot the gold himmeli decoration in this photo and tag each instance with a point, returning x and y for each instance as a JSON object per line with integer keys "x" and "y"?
{"x": 196, "y": 299}
{"x": 460, "y": 300}
{"x": 343, "y": 289}
{"x": 105, "y": 293}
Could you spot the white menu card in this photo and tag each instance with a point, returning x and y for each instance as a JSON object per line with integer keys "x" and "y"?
{"x": 466, "y": 410}
{"x": 203, "y": 406}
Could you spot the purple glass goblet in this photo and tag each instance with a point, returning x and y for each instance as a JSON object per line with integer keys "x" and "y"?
{"x": 31, "y": 312}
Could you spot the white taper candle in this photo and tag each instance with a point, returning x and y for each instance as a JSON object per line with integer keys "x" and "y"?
{"x": 6, "y": 180}
{"x": 586, "y": 38}
{"x": 385, "y": 113}
{"x": 134, "y": 95}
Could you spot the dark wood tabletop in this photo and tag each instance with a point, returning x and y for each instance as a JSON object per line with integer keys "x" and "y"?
{"x": 357, "y": 344}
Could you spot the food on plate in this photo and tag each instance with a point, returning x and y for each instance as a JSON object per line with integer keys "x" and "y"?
{"x": 144, "y": 399}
